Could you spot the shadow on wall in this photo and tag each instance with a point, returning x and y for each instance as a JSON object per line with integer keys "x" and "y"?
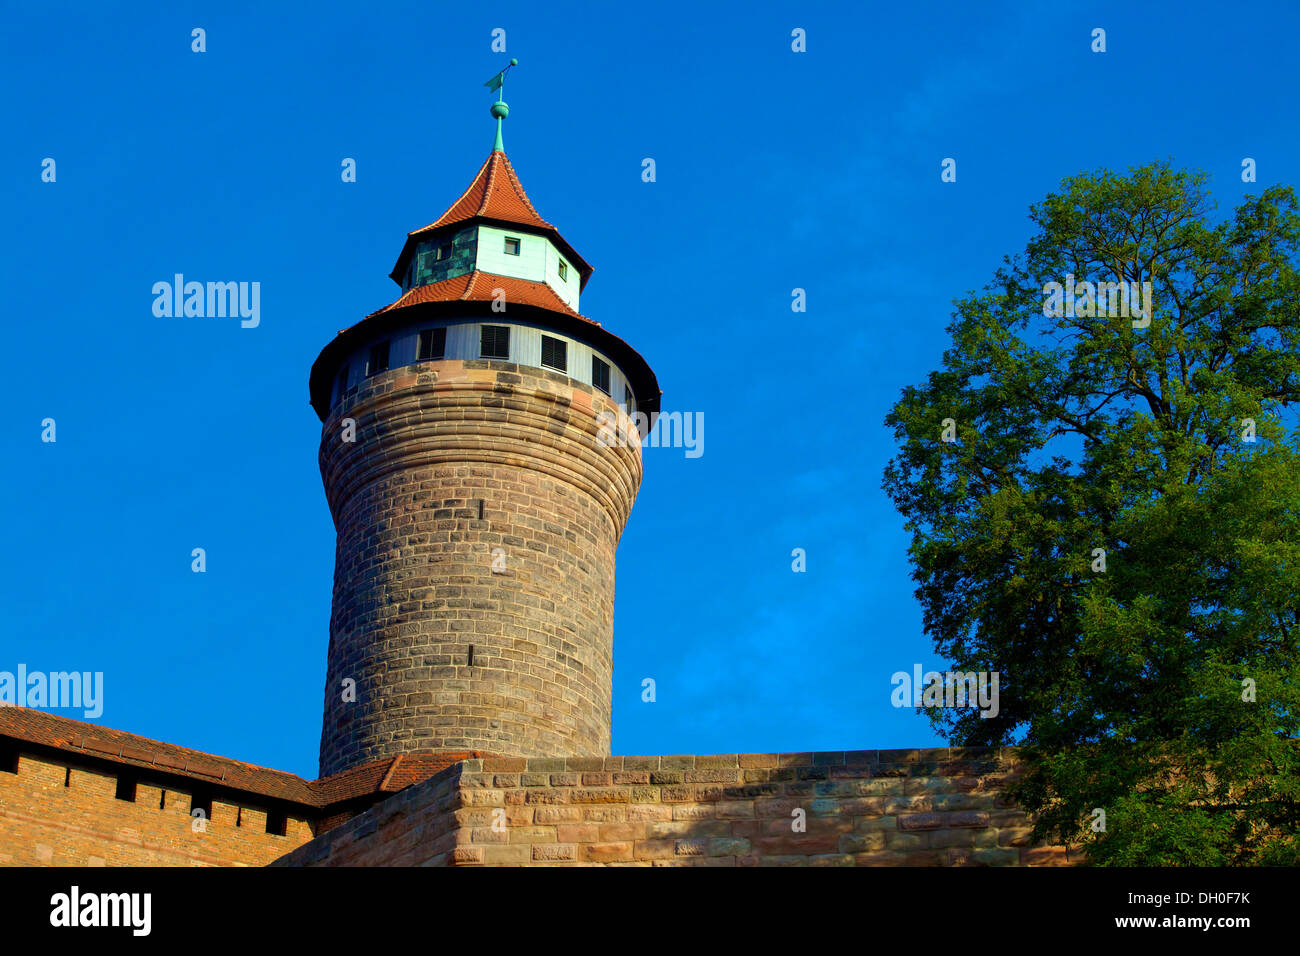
{"x": 938, "y": 807}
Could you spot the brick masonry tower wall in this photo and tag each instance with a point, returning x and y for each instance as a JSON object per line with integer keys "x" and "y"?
{"x": 452, "y": 461}
{"x": 940, "y": 807}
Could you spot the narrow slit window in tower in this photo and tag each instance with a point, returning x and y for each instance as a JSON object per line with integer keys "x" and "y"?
{"x": 564, "y": 271}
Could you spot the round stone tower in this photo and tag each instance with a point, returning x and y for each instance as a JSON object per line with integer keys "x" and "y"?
{"x": 480, "y": 465}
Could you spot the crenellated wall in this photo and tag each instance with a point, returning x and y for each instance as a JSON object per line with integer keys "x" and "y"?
{"x": 60, "y": 813}
{"x": 940, "y": 807}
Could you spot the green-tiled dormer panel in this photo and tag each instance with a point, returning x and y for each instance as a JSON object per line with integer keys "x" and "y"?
{"x": 442, "y": 257}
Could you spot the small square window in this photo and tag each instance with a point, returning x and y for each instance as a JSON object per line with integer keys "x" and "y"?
{"x": 495, "y": 342}
{"x": 277, "y": 823}
{"x": 444, "y": 252}
{"x": 201, "y": 802}
{"x": 433, "y": 344}
{"x": 126, "y": 787}
{"x": 378, "y": 359}
{"x": 564, "y": 271}
{"x": 555, "y": 353}
{"x": 600, "y": 374}
{"x": 512, "y": 246}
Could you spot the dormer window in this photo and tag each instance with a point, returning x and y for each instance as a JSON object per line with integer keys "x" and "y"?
{"x": 512, "y": 246}
{"x": 564, "y": 271}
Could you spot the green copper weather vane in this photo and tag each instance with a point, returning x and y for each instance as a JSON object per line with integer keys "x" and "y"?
{"x": 499, "y": 109}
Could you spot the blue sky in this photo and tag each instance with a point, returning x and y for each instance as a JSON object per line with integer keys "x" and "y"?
{"x": 775, "y": 170}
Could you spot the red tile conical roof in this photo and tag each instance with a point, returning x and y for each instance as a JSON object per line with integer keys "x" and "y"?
{"x": 482, "y": 287}
{"x": 495, "y": 193}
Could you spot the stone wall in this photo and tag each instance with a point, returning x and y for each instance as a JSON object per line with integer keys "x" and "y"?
{"x": 941, "y": 807}
{"x": 56, "y": 813}
{"x": 415, "y": 827}
{"x": 452, "y": 461}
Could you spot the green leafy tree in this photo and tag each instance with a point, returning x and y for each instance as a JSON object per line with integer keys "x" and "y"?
{"x": 1104, "y": 533}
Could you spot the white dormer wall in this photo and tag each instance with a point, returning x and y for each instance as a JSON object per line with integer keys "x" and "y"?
{"x": 538, "y": 261}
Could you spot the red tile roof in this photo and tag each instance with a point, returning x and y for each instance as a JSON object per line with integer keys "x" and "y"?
{"x": 476, "y": 291}
{"x": 481, "y": 287}
{"x": 495, "y": 196}
{"x": 495, "y": 193}
{"x": 63, "y": 733}
{"x": 74, "y": 736}
{"x": 385, "y": 776}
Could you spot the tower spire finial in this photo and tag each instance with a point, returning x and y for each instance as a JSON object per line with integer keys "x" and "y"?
{"x": 499, "y": 109}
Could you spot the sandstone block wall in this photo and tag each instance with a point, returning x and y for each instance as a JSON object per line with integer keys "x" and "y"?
{"x": 451, "y": 461}
{"x": 59, "y": 814}
{"x": 941, "y": 807}
{"x": 414, "y": 827}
